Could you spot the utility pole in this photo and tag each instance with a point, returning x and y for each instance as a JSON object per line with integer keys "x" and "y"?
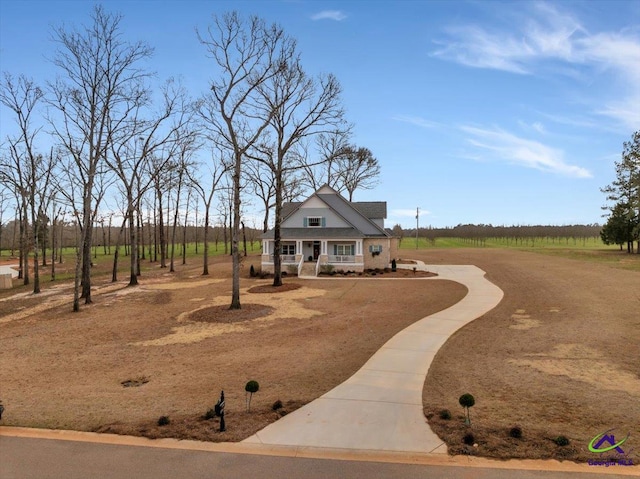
{"x": 417, "y": 224}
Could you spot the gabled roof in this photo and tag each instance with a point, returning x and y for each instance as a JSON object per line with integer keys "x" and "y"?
{"x": 359, "y": 215}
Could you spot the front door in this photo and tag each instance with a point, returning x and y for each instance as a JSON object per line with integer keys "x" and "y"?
{"x": 316, "y": 250}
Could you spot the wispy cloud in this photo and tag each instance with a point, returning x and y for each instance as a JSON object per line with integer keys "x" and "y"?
{"x": 545, "y": 35}
{"x": 535, "y": 126}
{"x": 336, "y": 15}
{"x": 416, "y": 120}
{"x": 520, "y": 151}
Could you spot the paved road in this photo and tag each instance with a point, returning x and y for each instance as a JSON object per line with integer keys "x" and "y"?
{"x": 30, "y": 458}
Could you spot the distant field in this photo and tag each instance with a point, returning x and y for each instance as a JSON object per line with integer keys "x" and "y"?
{"x": 588, "y": 249}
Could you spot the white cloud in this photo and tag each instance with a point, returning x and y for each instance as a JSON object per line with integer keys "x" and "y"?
{"x": 336, "y": 15}
{"x": 547, "y": 34}
{"x": 522, "y": 152}
{"x": 416, "y": 120}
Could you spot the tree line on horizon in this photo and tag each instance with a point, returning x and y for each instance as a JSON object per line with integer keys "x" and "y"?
{"x": 478, "y": 234}
{"x": 101, "y": 142}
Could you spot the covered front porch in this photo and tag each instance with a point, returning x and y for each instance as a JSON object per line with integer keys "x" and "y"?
{"x": 335, "y": 254}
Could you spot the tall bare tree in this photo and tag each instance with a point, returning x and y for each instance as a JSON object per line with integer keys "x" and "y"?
{"x": 101, "y": 84}
{"x": 246, "y": 53}
{"x": 29, "y": 171}
{"x": 299, "y": 107}
{"x": 155, "y": 135}
{"x": 205, "y": 189}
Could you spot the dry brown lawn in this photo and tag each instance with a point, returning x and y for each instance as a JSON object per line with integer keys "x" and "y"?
{"x": 559, "y": 355}
{"x": 169, "y": 346}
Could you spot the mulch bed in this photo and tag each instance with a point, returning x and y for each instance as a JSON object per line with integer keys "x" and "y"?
{"x": 222, "y": 314}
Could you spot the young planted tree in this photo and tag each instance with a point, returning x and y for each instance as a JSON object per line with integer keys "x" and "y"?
{"x": 246, "y": 56}
{"x": 467, "y": 401}
{"x": 101, "y": 78}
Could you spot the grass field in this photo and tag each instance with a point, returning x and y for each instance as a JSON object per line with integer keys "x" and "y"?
{"x": 586, "y": 249}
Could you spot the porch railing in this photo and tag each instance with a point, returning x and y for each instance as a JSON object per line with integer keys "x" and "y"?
{"x": 341, "y": 258}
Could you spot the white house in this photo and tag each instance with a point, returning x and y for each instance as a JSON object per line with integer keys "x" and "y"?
{"x": 331, "y": 233}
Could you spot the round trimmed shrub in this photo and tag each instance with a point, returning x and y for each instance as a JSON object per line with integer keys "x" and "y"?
{"x": 515, "y": 432}
{"x": 163, "y": 421}
{"x": 469, "y": 439}
{"x": 444, "y": 414}
{"x": 562, "y": 441}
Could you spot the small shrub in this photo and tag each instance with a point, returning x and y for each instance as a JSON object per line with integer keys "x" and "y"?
{"x": 469, "y": 439}
{"x": 393, "y": 265}
{"x": 561, "y": 441}
{"x": 252, "y": 272}
{"x": 445, "y": 414}
{"x": 210, "y": 414}
{"x": 515, "y": 432}
{"x": 163, "y": 421}
{"x": 277, "y": 405}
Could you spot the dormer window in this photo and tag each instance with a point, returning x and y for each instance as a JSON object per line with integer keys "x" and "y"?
{"x": 314, "y": 221}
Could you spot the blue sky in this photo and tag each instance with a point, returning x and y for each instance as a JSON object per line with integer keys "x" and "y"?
{"x": 478, "y": 111}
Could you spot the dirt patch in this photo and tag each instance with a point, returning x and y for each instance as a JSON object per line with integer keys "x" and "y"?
{"x": 222, "y": 314}
{"x": 283, "y": 288}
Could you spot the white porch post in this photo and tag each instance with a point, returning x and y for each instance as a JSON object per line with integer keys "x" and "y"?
{"x": 324, "y": 246}
{"x": 298, "y": 247}
{"x": 359, "y": 247}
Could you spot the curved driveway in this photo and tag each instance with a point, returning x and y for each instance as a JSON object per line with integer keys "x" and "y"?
{"x": 380, "y": 407}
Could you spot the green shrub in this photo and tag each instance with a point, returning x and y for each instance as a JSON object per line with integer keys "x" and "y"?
{"x": 277, "y": 405}
{"x": 445, "y": 414}
{"x": 393, "y": 265}
{"x": 210, "y": 414}
{"x": 469, "y": 439}
{"x": 163, "y": 421}
{"x": 515, "y": 432}
{"x": 562, "y": 441}
{"x": 252, "y": 272}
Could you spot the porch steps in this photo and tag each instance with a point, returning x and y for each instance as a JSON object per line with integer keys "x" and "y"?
{"x": 308, "y": 269}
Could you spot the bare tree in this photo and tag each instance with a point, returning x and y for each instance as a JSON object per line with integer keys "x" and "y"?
{"x": 133, "y": 149}
{"x": 299, "y": 107}
{"x": 357, "y": 168}
{"x": 101, "y": 86}
{"x": 206, "y": 191}
{"x": 324, "y": 172}
{"x": 246, "y": 54}
{"x": 28, "y": 171}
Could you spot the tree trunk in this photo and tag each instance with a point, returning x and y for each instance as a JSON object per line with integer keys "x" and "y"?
{"x": 133, "y": 241}
{"x": 235, "y": 252}
{"x": 277, "y": 260}
{"x": 205, "y": 254}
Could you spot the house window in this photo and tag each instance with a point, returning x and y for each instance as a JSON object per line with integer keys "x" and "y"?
{"x": 288, "y": 249}
{"x": 314, "y": 221}
{"x": 375, "y": 248}
{"x": 343, "y": 249}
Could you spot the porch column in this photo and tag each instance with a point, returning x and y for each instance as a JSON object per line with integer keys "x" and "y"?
{"x": 323, "y": 246}
{"x": 358, "y": 247}
{"x": 298, "y": 247}
{"x": 265, "y": 246}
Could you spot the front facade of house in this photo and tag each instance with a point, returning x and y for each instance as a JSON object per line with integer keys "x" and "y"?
{"x": 331, "y": 233}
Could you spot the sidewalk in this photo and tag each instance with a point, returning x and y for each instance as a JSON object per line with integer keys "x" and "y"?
{"x": 380, "y": 407}
{"x": 10, "y": 270}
